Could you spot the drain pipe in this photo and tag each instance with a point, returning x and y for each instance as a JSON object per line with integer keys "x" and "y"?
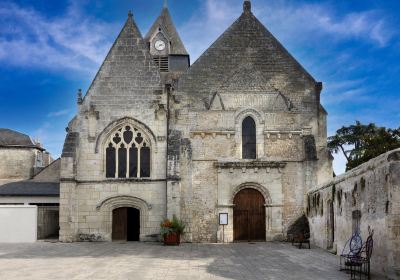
{"x": 168, "y": 89}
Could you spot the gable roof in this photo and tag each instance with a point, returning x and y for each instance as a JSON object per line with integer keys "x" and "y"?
{"x": 45, "y": 183}
{"x": 27, "y": 188}
{"x": 130, "y": 59}
{"x": 164, "y": 21}
{"x": 246, "y": 48}
{"x": 10, "y": 137}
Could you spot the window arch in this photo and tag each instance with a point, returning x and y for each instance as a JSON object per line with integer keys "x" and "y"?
{"x": 127, "y": 154}
{"x": 249, "y": 146}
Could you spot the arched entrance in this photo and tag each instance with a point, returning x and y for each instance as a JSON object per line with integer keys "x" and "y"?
{"x": 249, "y": 216}
{"x": 125, "y": 224}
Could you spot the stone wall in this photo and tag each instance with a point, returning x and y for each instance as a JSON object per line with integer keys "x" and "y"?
{"x": 373, "y": 189}
{"x": 17, "y": 163}
{"x": 127, "y": 91}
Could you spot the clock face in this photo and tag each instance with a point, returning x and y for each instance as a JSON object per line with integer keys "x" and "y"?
{"x": 159, "y": 45}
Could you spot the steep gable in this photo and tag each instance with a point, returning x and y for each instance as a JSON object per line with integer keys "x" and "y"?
{"x": 126, "y": 73}
{"x": 165, "y": 23}
{"x": 246, "y": 58}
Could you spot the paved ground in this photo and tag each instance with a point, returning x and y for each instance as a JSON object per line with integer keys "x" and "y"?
{"x": 43, "y": 260}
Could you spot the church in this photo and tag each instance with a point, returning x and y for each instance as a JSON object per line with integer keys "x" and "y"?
{"x": 239, "y": 132}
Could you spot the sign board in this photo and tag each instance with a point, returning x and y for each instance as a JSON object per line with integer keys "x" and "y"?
{"x": 223, "y": 219}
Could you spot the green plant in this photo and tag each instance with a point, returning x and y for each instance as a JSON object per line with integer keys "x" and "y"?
{"x": 168, "y": 226}
{"x": 178, "y": 225}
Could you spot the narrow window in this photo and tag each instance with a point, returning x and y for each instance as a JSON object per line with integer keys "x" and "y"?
{"x": 122, "y": 162}
{"x": 144, "y": 161}
{"x": 110, "y": 161}
{"x": 249, "y": 150}
{"x": 133, "y": 162}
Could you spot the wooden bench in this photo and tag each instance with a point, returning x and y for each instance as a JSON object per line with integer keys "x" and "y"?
{"x": 300, "y": 239}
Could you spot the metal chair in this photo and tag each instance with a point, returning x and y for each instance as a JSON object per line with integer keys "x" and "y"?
{"x": 353, "y": 247}
{"x": 360, "y": 264}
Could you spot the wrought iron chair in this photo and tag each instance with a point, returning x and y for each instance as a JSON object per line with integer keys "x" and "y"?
{"x": 352, "y": 248}
{"x": 360, "y": 264}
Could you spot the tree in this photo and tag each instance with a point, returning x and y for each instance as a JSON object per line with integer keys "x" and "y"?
{"x": 359, "y": 143}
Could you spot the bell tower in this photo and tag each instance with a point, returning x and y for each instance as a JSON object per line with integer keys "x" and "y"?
{"x": 166, "y": 47}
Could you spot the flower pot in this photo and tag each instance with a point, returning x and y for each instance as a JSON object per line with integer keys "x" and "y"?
{"x": 174, "y": 238}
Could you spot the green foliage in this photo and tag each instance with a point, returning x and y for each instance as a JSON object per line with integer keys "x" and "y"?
{"x": 166, "y": 230}
{"x": 168, "y": 226}
{"x": 365, "y": 142}
{"x": 178, "y": 225}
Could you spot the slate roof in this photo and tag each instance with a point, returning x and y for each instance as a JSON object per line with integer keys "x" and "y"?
{"x": 28, "y": 188}
{"x": 164, "y": 21}
{"x": 70, "y": 144}
{"x": 10, "y": 137}
{"x": 45, "y": 183}
{"x": 246, "y": 57}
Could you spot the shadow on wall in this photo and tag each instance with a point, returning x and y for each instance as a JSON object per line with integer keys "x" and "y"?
{"x": 299, "y": 227}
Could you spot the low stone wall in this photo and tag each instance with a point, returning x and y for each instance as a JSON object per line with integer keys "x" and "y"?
{"x": 368, "y": 195}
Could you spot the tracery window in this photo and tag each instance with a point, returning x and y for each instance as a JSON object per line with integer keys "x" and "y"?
{"x": 249, "y": 150}
{"x": 128, "y": 154}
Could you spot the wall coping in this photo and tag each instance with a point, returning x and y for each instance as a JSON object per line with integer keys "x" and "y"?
{"x": 380, "y": 160}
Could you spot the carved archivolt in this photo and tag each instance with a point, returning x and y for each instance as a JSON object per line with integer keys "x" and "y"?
{"x": 108, "y": 205}
{"x": 115, "y": 202}
{"x": 252, "y": 185}
{"x": 249, "y": 112}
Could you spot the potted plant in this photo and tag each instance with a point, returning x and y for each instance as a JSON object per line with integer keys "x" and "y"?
{"x": 171, "y": 231}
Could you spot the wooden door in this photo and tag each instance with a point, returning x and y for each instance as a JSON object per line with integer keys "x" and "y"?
{"x": 249, "y": 216}
{"x": 119, "y": 226}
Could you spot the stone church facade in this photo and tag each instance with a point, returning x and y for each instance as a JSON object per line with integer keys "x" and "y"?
{"x": 240, "y": 131}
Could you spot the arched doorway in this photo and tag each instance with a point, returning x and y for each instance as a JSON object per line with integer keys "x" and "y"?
{"x": 125, "y": 224}
{"x": 249, "y": 216}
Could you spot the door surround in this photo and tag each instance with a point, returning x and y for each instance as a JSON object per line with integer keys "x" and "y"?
{"x": 267, "y": 200}
{"x": 107, "y": 206}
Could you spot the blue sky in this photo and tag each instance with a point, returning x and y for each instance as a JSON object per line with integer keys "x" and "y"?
{"x": 49, "y": 49}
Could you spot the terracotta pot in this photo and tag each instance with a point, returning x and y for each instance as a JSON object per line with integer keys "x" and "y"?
{"x": 173, "y": 238}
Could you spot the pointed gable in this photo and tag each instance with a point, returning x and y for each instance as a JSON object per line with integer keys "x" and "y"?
{"x": 165, "y": 23}
{"x": 127, "y": 72}
{"x": 245, "y": 58}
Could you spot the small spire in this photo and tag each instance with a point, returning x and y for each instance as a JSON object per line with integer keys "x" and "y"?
{"x": 247, "y": 6}
{"x": 165, "y": 3}
{"x": 130, "y": 14}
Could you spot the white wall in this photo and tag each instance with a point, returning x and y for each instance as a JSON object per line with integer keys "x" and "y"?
{"x": 18, "y": 223}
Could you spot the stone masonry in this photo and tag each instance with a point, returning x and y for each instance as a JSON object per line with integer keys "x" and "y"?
{"x": 368, "y": 195}
{"x": 192, "y": 119}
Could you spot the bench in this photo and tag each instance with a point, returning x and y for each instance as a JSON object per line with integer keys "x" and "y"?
{"x": 300, "y": 239}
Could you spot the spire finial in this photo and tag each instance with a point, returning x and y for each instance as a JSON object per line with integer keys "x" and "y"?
{"x": 247, "y": 6}
{"x": 165, "y": 3}
{"x": 130, "y": 14}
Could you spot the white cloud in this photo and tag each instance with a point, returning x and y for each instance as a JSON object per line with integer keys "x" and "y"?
{"x": 289, "y": 20}
{"x": 207, "y": 24}
{"x": 51, "y": 137}
{"x": 339, "y": 163}
{"x": 313, "y": 21}
{"x": 59, "y": 113}
{"x": 72, "y": 41}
